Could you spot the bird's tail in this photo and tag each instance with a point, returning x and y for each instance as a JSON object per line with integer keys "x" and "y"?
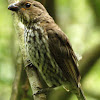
{"x": 78, "y": 92}
{"x": 80, "y": 95}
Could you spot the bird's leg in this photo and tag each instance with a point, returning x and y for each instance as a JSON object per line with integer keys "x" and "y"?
{"x": 43, "y": 90}
{"x": 28, "y": 62}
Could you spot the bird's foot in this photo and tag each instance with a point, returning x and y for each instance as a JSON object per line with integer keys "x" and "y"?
{"x": 28, "y": 63}
{"x": 43, "y": 90}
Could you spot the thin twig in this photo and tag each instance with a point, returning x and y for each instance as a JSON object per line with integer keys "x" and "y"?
{"x": 88, "y": 59}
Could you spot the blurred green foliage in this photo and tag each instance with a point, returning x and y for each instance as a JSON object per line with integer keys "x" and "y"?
{"x": 7, "y": 71}
{"x": 77, "y": 20}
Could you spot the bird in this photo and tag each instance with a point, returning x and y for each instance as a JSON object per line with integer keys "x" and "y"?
{"x": 48, "y": 47}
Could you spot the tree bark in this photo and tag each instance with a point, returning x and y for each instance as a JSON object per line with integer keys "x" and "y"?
{"x": 30, "y": 70}
{"x": 50, "y": 7}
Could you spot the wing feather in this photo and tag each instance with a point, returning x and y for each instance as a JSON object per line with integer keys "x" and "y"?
{"x": 63, "y": 53}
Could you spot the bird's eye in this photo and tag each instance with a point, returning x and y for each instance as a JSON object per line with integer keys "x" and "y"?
{"x": 27, "y": 5}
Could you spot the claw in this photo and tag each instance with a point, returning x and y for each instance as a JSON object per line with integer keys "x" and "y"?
{"x": 41, "y": 90}
{"x": 38, "y": 92}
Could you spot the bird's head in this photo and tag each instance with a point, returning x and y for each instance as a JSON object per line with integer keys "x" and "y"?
{"x": 27, "y": 10}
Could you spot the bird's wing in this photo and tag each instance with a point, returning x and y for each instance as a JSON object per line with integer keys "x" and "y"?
{"x": 63, "y": 54}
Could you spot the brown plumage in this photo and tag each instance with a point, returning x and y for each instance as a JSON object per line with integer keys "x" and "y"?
{"x": 48, "y": 47}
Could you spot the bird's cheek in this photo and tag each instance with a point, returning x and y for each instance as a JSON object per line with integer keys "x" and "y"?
{"x": 22, "y": 12}
{"x": 27, "y": 16}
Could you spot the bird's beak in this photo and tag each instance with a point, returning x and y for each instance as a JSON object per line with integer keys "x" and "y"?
{"x": 13, "y": 7}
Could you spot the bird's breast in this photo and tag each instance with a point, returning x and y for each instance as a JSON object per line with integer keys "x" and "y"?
{"x": 37, "y": 47}
{"x": 35, "y": 44}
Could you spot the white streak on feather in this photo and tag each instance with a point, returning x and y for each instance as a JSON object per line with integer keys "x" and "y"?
{"x": 21, "y": 25}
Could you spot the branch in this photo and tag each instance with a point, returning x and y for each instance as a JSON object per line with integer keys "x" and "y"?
{"x": 50, "y": 6}
{"x": 95, "y": 5}
{"x": 89, "y": 59}
{"x": 30, "y": 70}
{"x": 17, "y": 78}
{"x": 42, "y": 1}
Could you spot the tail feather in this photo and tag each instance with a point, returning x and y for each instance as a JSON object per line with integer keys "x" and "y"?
{"x": 77, "y": 91}
{"x": 80, "y": 94}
